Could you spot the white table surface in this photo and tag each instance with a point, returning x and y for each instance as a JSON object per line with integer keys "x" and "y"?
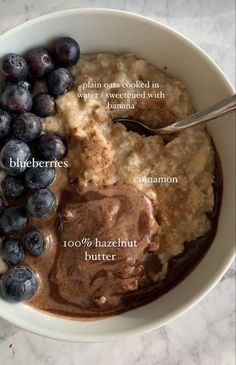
{"x": 205, "y": 335}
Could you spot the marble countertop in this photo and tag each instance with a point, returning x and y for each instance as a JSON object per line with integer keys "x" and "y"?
{"x": 205, "y": 335}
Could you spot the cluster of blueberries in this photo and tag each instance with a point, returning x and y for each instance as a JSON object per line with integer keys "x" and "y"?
{"x": 21, "y": 137}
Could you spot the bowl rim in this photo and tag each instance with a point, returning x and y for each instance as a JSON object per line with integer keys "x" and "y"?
{"x": 142, "y": 329}
{"x": 55, "y": 14}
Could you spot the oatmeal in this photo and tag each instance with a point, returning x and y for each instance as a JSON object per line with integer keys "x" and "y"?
{"x": 104, "y": 153}
{"x": 150, "y": 197}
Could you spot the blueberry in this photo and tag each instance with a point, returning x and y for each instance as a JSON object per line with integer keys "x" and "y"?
{"x": 39, "y": 177}
{"x": 12, "y": 252}
{"x": 34, "y": 242}
{"x": 28, "y": 85}
{"x": 67, "y": 51}
{"x": 12, "y": 220}
{"x": 44, "y": 105}
{"x": 14, "y": 67}
{"x": 17, "y": 99}
{"x": 13, "y": 187}
{"x": 18, "y": 284}
{"x": 41, "y": 202}
{"x": 5, "y": 124}
{"x": 27, "y": 127}
{"x": 60, "y": 81}
{"x": 40, "y": 62}
{"x": 51, "y": 147}
{"x": 14, "y": 157}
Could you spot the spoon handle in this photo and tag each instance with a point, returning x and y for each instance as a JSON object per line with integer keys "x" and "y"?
{"x": 217, "y": 110}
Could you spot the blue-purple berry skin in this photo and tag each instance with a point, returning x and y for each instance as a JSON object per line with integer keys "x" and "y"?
{"x": 60, "y": 81}
{"x": 12, "y": 252}
{"x": 27, "y": 84}
{"x": 44, "y": 105}
{"x": 39, "y": 177}
{"x": 14, "y": 67}
{"x": 40, "y": 62}
{"x": 17, "y": 99}
{"x": 41, "y": 202}
{"x": 14, "y": 157}
{"x": 18, "y": 284}
{"x": 51, "y": 147}
{"x": 34, "y": 242}
{"x": 27, "y": 127}
{"x": 12, "y": 220}
{"x": 67, "y": 51}
{"x": 13, "y": 187}
{"x": 5, "y": 124}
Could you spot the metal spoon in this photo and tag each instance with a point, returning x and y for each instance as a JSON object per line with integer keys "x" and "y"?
{"x": 217, "y": 110}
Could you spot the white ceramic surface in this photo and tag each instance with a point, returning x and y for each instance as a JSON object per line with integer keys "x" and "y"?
{"x": 100, "y": 30}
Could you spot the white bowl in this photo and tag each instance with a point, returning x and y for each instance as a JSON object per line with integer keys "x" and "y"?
{"x": 117, "y": 31}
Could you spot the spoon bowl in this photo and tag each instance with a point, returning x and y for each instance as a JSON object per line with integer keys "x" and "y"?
{"x": 215, "y": 111}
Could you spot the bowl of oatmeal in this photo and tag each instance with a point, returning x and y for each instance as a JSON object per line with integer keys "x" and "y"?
{"x": 142, "y": 226}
